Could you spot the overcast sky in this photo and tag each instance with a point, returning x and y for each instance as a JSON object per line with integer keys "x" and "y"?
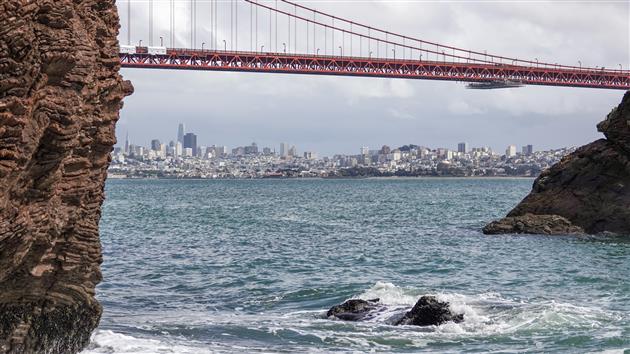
{"x": 340, "y": 114}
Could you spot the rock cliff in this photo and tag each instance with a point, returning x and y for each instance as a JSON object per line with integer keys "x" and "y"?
{"x": 60, "y": 93}
{"x": 587, "y": 191}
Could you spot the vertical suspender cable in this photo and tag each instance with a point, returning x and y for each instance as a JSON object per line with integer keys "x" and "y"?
{"x": 129, "y": 22}
{"x": 231, "y": 25}
{"x": 314, "y": 41}
{"x": 270, "y": 31}
{"x": 150, "y": 22}
{"x": 211, "y": 24}
{"x": 195, "y": 37}
{"x": 276, "y": 26}
{"x": 295, "y": 28}
{"x": 236, "y": 26}
{"x": 172, "y": 9}
{"x": 251, "y": 27}
{"x": 191, "y": 24}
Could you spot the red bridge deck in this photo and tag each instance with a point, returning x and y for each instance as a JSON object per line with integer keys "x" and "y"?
{"x": 185, "y": 59}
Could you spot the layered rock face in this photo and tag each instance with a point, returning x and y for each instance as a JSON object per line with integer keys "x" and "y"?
{"x": 587, "y": 191}
{"x": 60, "y": 93}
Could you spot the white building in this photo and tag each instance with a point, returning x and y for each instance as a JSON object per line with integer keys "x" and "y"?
{"x": 510, "y": 151}
{"x": 284, "y": 149}
{"x": 179, "y": 149}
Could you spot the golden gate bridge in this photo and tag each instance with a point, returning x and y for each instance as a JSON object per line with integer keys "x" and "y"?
{"x": 280, "y": 36}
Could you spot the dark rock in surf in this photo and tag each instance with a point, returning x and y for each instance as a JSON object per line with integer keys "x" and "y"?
{"x": 429, "y": 311}
{"x": 354, "y": 309}
{"x": 587, "y": 191}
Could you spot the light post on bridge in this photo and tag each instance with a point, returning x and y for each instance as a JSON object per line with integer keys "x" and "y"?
{"x": 536, "y": 62}
{"x": 261, "y": 48}
{"x": 370, "y": 55}
{"x": 579, "y": 62}
{"x": 420, "y": 57}
{"x": 620, "y": 67}
{"x": 341, "y": 50}
{"x": 140, "y": 43}
{"x": 394, "y": 51}
{"x": 285, "y": 47}
{"x": 161, "y": 42}
{"x": 317, "y": 52}
{"x": 202, "y": 44}
{"x": 224, "y": 45}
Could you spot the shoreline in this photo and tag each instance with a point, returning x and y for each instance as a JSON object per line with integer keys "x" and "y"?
{"x": 320, "y": 178}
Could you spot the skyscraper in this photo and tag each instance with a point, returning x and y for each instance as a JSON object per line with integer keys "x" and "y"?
{"x": 284, "y": 149}
{"x": 462, "y": 148}
{"x": 178, "y": 149}
{"x": 293, "y": 151}
{"x": 127, "y": 144}
{"x": 528, "y": 150}
{"x": 190, "y": 141}
{"x": 510, "y": 151}
{"x": 155, "y": 145}
{"x": 180, "y": 133}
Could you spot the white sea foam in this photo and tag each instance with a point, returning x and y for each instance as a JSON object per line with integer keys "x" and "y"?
{"x": 491, "y": 314}
{"x": 105, "y": 341}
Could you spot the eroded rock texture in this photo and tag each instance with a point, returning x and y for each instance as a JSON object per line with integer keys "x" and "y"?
{"x": 587, "y": 191}
{"x": 60, "y": 93}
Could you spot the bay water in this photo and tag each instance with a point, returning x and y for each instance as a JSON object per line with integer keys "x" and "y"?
{"x": 205, "y": 266}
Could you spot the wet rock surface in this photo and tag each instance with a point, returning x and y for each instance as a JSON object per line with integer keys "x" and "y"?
{"x": 533, "y": 224}
{"x": 587, "y": 191}
{"x": 60, "y": 93}
{"x": 428, "y": 311}
{"x": 354, "y": 309}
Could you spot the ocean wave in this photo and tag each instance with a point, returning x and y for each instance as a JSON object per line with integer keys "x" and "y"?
{"x": 491, "y": 314}
{"x": 489, "y": 318}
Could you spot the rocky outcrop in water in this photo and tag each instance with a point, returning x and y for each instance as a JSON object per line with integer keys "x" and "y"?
{"x": 354, "y": 309}
{"x": 60, "y": 93}
{"x": 428, "y": 311}
{"x": 533, "y": 224}
{"x": 587, "y": 191}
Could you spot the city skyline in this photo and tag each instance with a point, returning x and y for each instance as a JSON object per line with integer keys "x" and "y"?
{"x": 282, "y": 148}
{"x": 251, "y": 161}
